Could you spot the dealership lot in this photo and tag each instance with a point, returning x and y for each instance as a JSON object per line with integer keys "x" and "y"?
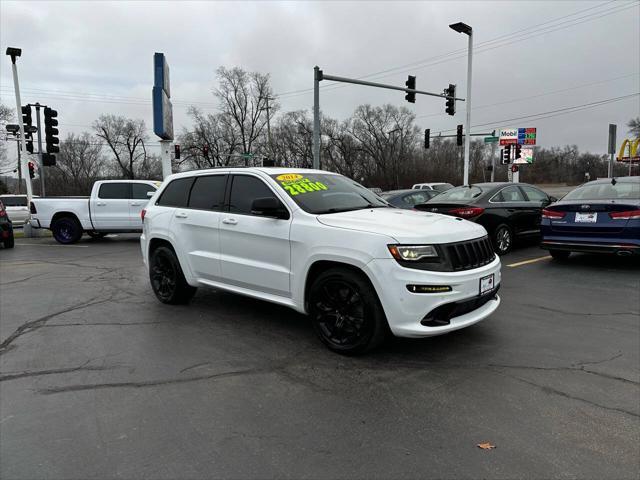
{"x": 100, "y": 380}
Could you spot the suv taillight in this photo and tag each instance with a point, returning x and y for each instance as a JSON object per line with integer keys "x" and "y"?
{"x": 466, "y": 212}
{"x": 143, "y": 213}
{"x": 552, "y": 214}
{"x": 628, "y": 215}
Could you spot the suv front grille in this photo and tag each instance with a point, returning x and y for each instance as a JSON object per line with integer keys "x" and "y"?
{"x": 456, "y": 257}
{"x": 469, "y": 254}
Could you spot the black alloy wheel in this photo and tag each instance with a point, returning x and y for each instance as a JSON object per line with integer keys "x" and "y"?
{"x": 346, "y": 312}
{"x": 66, "y": 230}
{"x": 167, "y": 279}
{"x": 502, "y": 240}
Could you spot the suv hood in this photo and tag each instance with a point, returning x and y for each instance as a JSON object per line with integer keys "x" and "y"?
{"x": 406, "y": 226}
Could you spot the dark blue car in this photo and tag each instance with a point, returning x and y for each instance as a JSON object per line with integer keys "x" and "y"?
{"x": 602, "y": 216}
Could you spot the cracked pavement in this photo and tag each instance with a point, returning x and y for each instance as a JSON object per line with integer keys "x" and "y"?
{"x": 100, "y": 380}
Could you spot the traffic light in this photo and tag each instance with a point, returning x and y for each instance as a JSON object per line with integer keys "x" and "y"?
{"x": 26, "y": 116}
{"x": 459, "y": 135}
{"x": 50, "y": 132}
{"x": 32, "y": 170}
{"x": 177, "y": 151}
{"x": 450, "y": 105}
{"x": 28, "y": 140}
{"x": 410, "y": 83}
{"x": 427, "y": 135}
{"x": 48, "y": 160}
{"x": 518, "y": 151}
{"x": 505, "y": 159}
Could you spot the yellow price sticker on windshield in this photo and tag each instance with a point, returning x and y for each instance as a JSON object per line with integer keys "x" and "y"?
{"x": 288, "y": 177}
{"x": 303, "y": 185}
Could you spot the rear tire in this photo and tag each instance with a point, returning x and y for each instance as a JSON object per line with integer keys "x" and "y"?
{"x": 559, "y": 255}
{"x": 66, "y": 230}
{"x": 167, "y": 279}
{"x": 9, "y": 242}
{"x": 346, "y": 313}
{"x": 502, "y": 239}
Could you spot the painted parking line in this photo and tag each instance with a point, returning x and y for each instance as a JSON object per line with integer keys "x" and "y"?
{"x": 527, "y": 262}
{"x": 49, "y": 245}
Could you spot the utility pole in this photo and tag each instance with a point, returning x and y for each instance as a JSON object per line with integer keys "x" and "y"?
{"x": 268, "y": 109}
{"x": 41, "y": 162}
{"x": 612, "y": 147}
{"x": 14, "y": 53}
{"x": 493, "y": 161}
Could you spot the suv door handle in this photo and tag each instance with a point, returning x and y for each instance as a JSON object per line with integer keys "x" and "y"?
{"x": 181, "y": 215}
{"x": 230, "y": 221}
{"x": 101, "y": 204}
{"x": 135, "y": 204}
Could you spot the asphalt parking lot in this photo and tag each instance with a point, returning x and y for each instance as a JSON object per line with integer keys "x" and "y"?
{"x": 100, "y": 380}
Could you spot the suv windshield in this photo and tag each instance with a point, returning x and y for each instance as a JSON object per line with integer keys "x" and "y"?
{"x": 320, "y": 193}
{"x": 606, "y": 191}
{"x": 459, "y": 193}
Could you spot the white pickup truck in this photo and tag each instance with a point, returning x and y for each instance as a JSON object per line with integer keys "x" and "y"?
{"x": 113, "y": 207}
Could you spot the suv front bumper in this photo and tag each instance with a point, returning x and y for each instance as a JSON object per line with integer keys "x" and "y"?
{"x": 406, "y": 310}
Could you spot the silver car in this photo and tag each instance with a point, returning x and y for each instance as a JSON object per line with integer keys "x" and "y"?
{"x": 16, "y": 207}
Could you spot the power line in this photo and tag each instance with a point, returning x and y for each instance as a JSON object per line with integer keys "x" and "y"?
{"x": 461, "y": 53}
{"x": 553, "y": 113}
{"x": 487, "y": 105}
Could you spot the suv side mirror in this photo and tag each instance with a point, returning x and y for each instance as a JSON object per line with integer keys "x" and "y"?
{"x": 269, "y": 207}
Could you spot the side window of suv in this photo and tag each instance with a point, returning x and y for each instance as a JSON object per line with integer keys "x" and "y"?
{"x": 114, "y": 190}
{"x": 176, "y": 194}
{"x": 244, "y": 190}
{"x": 207, "y": 192}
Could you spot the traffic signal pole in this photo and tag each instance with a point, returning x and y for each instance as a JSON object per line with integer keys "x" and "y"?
{"x": 318, "y": 76}
{"x": 23, "y": 144}
{"x": 40, "y": 161}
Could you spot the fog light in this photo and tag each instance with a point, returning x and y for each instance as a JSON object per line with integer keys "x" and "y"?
{"x": 429, "y": 288}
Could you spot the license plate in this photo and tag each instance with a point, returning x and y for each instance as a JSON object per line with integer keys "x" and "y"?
{"x": 486, "y": 284}
{"x": 591, "y": 217}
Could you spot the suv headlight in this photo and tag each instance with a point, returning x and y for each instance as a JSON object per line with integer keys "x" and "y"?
{"x": 413, "y": 253}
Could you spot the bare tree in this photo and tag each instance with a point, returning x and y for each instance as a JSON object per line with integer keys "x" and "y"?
{"x": 243, "y": 101}
{"x": 125, "y": 138}
{"x": 79, "y": 164}
{"x": 212, "y": 142}
{"x": 634, "y": 127}
{"x": 6, "y": 115}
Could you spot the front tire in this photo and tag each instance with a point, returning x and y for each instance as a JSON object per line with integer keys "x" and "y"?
{"x": 502, "y": 239}
{"x": 66, "y": 230}
{"x": 167, "y": 279}
{"x": 346, "y": 313}
{"x": 559, "y": 255}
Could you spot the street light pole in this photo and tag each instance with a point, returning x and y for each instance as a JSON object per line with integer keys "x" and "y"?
{"x": 14, "y": 53}
{"x": 466, "y": 29}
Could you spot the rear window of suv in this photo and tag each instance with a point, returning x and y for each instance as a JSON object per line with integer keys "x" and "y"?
{"x": 622, "y": 189}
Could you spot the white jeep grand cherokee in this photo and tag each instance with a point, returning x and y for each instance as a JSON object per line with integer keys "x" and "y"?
{"x": 323, "y": 245}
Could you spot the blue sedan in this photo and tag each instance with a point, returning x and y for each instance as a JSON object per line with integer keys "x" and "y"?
{"x": 602, "y": 216}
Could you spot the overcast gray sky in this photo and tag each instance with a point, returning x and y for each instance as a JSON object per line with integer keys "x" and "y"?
{"x": 88, "y": 58}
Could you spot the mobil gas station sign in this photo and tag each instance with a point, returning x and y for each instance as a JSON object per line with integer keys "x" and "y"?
{"x": 517, "y": 136}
